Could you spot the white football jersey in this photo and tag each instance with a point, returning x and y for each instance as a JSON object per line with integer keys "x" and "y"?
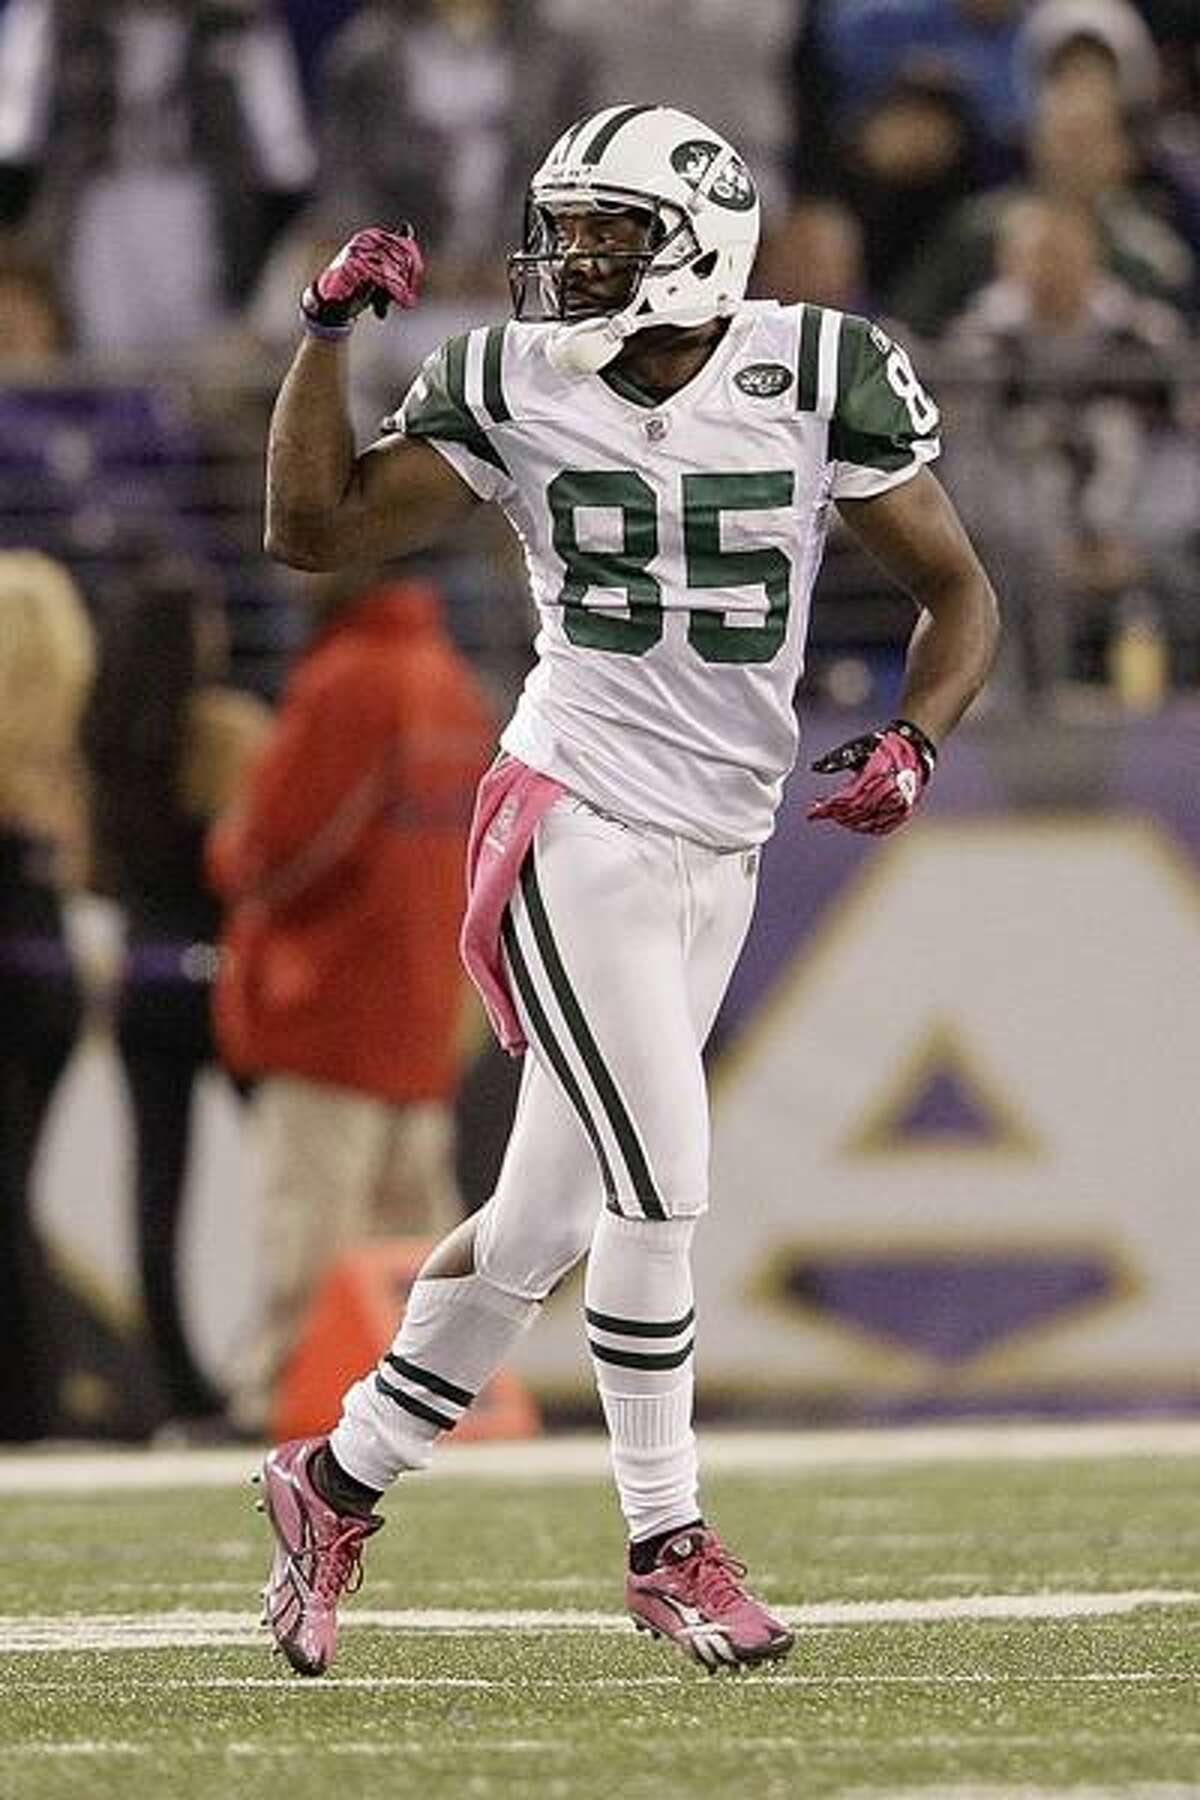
{"x": 672, "y": 545}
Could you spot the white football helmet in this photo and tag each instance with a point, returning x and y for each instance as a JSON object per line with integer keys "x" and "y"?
{"x": 698, "y": 198}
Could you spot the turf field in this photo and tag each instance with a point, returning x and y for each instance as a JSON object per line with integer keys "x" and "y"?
{"x": 994, "y": 1614}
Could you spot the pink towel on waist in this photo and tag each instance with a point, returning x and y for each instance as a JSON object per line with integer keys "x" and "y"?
{"x": 510, "y": 801}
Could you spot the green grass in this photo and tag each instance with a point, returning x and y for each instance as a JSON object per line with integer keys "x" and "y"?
{"x": 1104, "y": 1703}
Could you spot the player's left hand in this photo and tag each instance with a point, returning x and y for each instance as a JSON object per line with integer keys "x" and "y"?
{"x": 891, "y": 768}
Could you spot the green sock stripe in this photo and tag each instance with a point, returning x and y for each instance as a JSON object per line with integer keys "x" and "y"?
{"x": 437, "y": 1384}
{"x": 553, "y": 1052}
{"x": 417, "y": 1408}
{"x": 640, "y": 1359}
{"x": 622, "y": 1125}
{"x": 643, "y": 1328}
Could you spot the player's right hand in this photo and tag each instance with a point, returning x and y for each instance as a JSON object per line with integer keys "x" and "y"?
{"x": 376, "y": 268}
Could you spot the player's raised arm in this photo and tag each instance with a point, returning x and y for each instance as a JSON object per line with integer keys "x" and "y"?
{"x": 328, "y": 504}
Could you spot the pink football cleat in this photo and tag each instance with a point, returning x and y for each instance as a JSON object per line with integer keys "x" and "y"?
{"x": 317, "y": 1558}
{"x": 694, "y": 1596}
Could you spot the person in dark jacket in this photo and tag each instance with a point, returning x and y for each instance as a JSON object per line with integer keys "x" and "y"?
{"x": 46, "y": 656}
{"x": 166, "y": 743}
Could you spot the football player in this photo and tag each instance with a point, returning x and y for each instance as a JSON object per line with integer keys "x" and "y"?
{"x": 667, "y": 452}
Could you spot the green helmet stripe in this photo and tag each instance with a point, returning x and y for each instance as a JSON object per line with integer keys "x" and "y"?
{"x": 609, "y": 130}
{"x": 569, "y": 138}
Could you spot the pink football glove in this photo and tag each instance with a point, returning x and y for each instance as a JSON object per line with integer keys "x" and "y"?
{"x": 376, "y": 268}
{"x": 891, "y": 769}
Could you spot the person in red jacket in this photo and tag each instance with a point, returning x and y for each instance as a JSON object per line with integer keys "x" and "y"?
{"x": 340, "y": 984}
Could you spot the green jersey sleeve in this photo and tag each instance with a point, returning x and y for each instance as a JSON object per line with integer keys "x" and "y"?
{"x": 884, "y": 425}
{"x": 441, "y": 408}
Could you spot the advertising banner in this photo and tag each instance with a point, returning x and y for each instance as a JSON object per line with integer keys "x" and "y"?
{"x": 956, "y": 1127}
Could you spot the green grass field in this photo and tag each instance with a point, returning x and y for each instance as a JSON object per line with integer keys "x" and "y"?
{"x": 987, "y": 1623}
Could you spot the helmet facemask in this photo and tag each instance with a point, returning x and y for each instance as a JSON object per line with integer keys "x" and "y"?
{"x": 545, "y": 267}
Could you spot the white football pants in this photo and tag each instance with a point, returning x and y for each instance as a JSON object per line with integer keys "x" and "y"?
{"x": 620, "y": 942}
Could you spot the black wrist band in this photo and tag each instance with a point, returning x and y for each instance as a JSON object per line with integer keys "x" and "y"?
{"x": 324, "y": 318}
{"x": 924, "y": 745}
{"x": 332, "y": 333}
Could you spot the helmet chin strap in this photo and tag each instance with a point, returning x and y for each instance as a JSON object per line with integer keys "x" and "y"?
{"x": 585, "y": 348}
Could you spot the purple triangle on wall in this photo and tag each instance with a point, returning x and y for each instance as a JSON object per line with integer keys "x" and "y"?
{"x": 943, "y": 1107}
{"x": 947, "y": 1307}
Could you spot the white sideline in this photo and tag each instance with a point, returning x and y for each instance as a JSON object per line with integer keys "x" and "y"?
{"x": 62, "y": 1469}
{"x": 142, "y": 1631}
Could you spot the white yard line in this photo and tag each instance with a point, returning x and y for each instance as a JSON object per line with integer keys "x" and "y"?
{"x": 68, "y": 1470}
{"x": 386, "y": 1684}
{"x": 87, "y": 1747}
{"x": 136, "y": 1631}
{"x": 1150, "y": 1790}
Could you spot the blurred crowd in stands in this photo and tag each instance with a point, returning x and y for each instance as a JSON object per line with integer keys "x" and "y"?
{"x": 1011, "y": 186}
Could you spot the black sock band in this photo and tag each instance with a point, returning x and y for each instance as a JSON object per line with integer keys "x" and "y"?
{"x": 342, "y": 1492}
{"x": 644, "y": 1553}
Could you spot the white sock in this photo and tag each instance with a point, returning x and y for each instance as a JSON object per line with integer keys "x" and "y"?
{"x": 640, "y": 1324}
{"x": 455, "y": 1334}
